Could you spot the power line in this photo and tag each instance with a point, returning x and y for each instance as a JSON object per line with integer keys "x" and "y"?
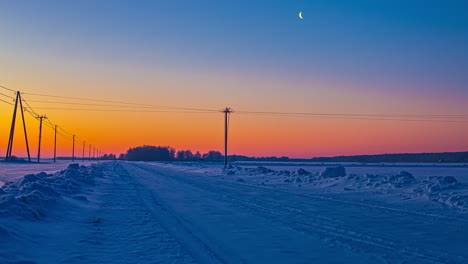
{"x": 47, "y": 122}
{"x": 123, "y": 110}
{"x": 27, "y": 104}
{"x": 377, "y": 117}
{"x": 123, "y": 106}
{"x": 1, "y": 100}
{"x": 11, "y": 97}
{"x": 121, "y": 102}
{"x": 383, "y": 117}
{"x": 6, "y": 88}
{"x": 351, "y": 115}
{"x": 361, "y": 118}
{"x": 43, "y": 121}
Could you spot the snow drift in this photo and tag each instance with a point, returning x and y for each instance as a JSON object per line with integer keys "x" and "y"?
{"x": 31, "y": 196}
{"x": 446, "y": 190}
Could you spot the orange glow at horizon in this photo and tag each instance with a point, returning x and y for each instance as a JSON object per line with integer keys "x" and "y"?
{"x": 249, "y": 135}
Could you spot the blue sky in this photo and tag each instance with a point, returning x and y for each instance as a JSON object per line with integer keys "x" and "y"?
{"x": 421, "y": 44}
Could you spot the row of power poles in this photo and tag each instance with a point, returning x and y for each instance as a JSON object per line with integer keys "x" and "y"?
{"x": 19, "y": 102}
{"x": 227, "y": 111}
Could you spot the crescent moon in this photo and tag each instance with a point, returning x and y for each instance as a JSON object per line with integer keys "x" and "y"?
{"x": 300, "y": 15}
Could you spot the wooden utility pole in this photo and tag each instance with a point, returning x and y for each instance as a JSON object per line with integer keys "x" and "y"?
{"x": 40, "y": 137}
{"x": 226, "y": 112}
{"x": 24, "y": 126}
{"x": 12, "y": 129}
{"x": 89, "y": 152}
{"x": 84, "y": 143}
{"x": 73, "y": 149}
{"x": 55, "y": 143}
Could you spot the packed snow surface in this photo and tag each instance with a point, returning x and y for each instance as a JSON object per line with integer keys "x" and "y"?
{"x": 154, "y": 212}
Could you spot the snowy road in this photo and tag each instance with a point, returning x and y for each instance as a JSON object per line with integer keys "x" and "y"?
{"x": 226, "y": 222}
{"x": 156, "y": 213}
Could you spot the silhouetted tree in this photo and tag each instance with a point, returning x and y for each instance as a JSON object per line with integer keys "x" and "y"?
{"x": 108, "y": 157}
{"x": 151, "y": 153}
{"x": 197, "y": 156}
{"x": 184, "y": 155}
{"x": 213, "y": 156}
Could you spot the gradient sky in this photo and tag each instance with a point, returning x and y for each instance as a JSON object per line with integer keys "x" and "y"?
{"x": 359, "y": 57}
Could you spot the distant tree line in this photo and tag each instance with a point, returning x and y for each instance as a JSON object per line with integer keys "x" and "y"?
{"x": 167, "y": 153}
{"x": 446, "y": 157}
{"x": 109, "y": 157}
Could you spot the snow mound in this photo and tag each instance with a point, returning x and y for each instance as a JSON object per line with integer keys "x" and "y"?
{"x": 30, "y": 196}
{"x": 301, "y": 171}
{"x": 446, "y": 190}
{"x": 441, "y": 183}
{"x": 400, "y": 180}
{"x": 333, "y": 172}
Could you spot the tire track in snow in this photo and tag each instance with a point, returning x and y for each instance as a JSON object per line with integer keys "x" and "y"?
{"x": 180, "y": 229}
{"x": 330, "y": 230}
{"x": 123, "y": 230}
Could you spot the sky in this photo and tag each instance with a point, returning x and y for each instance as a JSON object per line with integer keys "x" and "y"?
{"x": 353, "y": 57}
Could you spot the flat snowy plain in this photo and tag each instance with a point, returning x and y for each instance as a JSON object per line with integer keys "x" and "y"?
{"x": 154, "y": 212}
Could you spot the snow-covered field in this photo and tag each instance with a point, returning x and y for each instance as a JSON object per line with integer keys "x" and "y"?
{"x": 13, "y": 170}
{"x": 137, "y": 212}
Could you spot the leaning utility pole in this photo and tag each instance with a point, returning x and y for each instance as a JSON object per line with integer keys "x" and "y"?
{"x": 12, "y": 129}
{"x": 40, "y": 137}
{"x": 73, "y": 149}
{"x": 24, "y": 126}
{"x": 226, "y": 112}
{"x": 55, "y": 143}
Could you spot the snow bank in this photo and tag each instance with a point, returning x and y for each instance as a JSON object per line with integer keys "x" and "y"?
{"x": 30, "y": 196}
{"x": 446, "y": 190}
